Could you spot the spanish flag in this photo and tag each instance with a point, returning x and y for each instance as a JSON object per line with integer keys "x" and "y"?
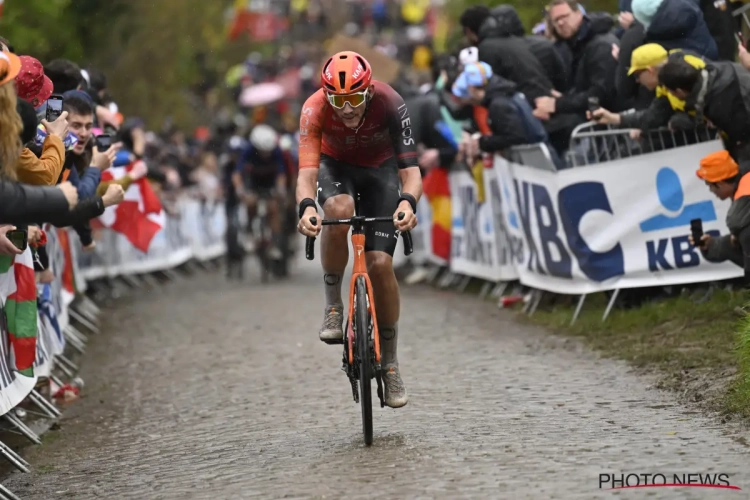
{"x": 437, "y": 190}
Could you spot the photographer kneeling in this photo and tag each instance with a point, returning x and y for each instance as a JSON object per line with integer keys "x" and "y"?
{"x": 722, "y": 175}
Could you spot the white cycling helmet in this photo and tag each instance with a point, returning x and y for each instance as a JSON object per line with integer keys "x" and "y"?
{"x": 264, "y": 137}
{"x": 285, "y": 143}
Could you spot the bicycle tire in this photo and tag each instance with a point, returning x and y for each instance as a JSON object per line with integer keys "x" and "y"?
{"x": 362, "y": 340}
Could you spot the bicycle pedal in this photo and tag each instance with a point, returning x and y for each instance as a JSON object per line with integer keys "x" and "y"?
{"x": 334, "y": 341}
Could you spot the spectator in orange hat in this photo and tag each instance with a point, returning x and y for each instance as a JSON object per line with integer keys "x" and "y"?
{"x": 722, "y": 176}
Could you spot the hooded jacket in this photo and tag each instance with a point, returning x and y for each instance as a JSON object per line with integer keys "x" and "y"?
{"x": 592, "y": 65}
{"x": 509, "y": 24}
{"x": 507, "y": 126}
{"x": 676, "y": 24}
{"x": 511, "y": 58}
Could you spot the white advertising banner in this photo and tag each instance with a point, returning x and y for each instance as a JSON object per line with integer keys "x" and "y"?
{"x": 472, "y": 234}
{"x": 623, "y": 224}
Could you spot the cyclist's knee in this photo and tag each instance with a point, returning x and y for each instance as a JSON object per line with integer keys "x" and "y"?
{"x": 379, "y": 265}
{"x": 339, "y": 207}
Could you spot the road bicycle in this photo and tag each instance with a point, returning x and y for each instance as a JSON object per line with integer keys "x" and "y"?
{"x": 361, "y": 360}
{"x": 264, "y": 242}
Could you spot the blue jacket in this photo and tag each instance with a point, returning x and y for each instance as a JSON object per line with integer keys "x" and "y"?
{"x": 87, "y": 183}
{"x": 679, "y": 24}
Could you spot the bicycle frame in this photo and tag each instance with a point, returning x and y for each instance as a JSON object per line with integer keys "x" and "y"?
{"x": 360, "y": 269}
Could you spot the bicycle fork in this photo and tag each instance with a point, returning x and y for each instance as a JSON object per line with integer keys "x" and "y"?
{"x": 352, "y": 370}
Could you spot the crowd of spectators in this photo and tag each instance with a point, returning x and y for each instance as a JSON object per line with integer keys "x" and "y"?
{"x": 656, "y": 67}
{"x": 642, "y": 69}
{"x": 52, "y": 165}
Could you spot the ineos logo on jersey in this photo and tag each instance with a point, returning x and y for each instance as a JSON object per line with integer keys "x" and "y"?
{"x": 304, "y": 121}
{"x": 405, "y": 125}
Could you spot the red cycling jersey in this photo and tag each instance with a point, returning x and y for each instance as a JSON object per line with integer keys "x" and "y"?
{"x": 385, "y": 132}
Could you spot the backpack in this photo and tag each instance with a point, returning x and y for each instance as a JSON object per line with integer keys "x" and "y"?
{"x": 535, "y": 131}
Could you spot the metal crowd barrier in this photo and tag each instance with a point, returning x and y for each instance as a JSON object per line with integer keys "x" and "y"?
{"x": 592, "y": 143}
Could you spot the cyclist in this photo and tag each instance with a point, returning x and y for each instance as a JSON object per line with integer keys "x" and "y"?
{"x": 261, "y": 173}
{"x": 356, "y": 138}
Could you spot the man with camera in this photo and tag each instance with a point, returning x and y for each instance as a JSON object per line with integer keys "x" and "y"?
{"x": 722, "y": 176}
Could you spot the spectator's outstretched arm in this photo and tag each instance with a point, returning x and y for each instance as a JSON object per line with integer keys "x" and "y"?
{"x": 79, "y": 218}
{"x": 124, "y": 181}
{"x": 656, "y": 115}
{"x": 22, "y": 204}
{"x": 83, "y": 212}
{"x": 507, "y": 128}
{"x": 601, "y": 68}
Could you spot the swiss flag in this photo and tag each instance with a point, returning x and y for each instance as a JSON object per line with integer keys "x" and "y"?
{"x": 139, "y": 216}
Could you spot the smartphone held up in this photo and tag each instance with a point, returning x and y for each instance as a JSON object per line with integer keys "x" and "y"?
{"x": 103, "y": 142}
{"x": 696, "y": 230}
{"x": 54, "y": 107}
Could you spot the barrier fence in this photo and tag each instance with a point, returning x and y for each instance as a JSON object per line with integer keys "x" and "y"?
{"x": 622, "y": 222}
{"x": 35, "y": 324}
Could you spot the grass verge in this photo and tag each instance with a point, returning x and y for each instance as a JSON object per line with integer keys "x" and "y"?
{"x": 700, "y": 350}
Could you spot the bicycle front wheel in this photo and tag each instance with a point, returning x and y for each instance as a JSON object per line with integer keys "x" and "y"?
{"x": 362, "y": 340}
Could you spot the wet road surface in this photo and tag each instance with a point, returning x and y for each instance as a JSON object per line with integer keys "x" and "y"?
{"x": 203, "y": 390}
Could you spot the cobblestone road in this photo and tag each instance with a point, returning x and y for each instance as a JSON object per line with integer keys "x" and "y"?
{"x": 217, "y": 391}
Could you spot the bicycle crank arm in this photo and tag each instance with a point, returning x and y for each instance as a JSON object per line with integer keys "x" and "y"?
{"x": 379, "y": 380}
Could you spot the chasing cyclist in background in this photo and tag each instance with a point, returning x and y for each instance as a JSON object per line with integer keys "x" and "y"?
{"x": 356, "y": 138}
{"x": 261, "y": 173}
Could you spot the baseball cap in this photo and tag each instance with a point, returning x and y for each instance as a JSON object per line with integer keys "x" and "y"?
{"x": 474, "y": 75}
{"x": 647, "y": 56}
{"x": 718, "y": 166}
{"x": 468, "y": 55}
{"x": 32, "y": 85}
{"x": 10, "y": 65}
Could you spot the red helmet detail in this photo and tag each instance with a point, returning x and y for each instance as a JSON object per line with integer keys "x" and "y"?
{"x": 346, "y": 72}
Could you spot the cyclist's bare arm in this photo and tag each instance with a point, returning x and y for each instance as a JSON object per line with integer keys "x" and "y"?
{"x": 310, "y": 136}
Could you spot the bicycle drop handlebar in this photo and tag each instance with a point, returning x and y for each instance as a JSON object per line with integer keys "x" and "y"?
{"x": 356, "y": 221}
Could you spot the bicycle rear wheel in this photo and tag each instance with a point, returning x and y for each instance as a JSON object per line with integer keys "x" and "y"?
{"x": 363, "y": 357}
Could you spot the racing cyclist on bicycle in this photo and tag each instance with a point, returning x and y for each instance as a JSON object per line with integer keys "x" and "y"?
{"x": 261, "y": 173}
{"x": 356, "y": 138}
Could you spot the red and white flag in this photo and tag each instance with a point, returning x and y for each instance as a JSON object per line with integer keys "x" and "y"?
{"x": 139, "y": 216}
